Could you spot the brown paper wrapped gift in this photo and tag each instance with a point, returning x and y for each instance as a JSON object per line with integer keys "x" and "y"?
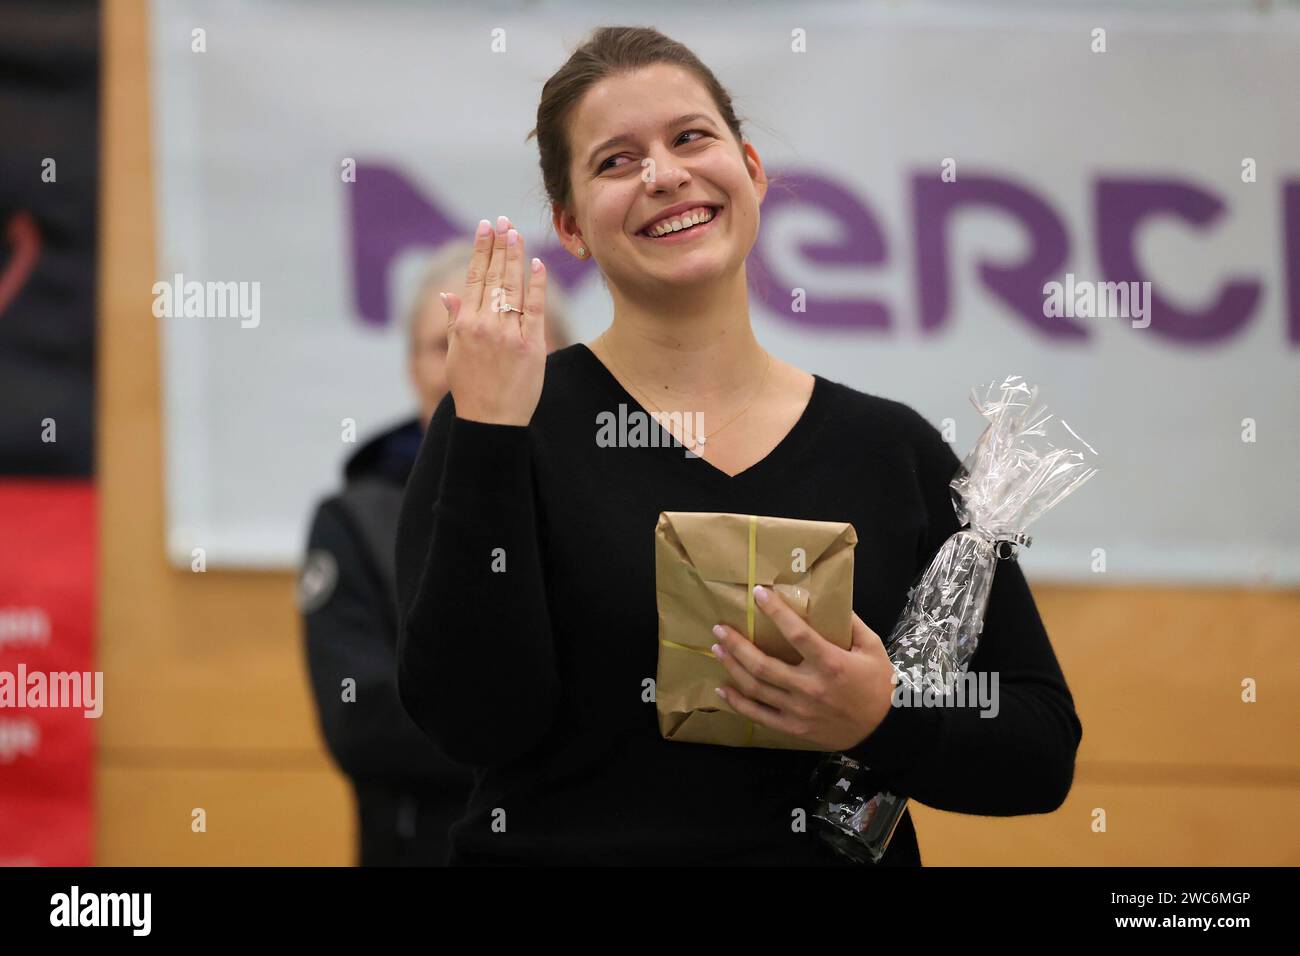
{"x": 706, "y": 566}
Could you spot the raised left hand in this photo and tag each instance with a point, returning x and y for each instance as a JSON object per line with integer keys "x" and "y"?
{"x": 833, "y": 698}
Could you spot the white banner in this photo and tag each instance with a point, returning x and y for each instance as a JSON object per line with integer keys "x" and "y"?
{"x": 968, "y": 190}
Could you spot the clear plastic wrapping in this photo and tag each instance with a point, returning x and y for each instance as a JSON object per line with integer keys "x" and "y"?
{"x": 1025, "y": 462}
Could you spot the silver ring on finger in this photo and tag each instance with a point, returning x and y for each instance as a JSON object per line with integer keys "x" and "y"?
{"x": 511, "y": 308}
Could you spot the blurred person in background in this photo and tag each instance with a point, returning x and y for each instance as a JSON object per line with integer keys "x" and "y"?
{"x": 407, "y": 792}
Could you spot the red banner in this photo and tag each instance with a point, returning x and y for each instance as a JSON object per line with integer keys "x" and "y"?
{"x": 48, "y": 681}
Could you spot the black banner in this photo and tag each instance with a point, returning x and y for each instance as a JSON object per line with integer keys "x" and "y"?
{"x": 49, "y": 156}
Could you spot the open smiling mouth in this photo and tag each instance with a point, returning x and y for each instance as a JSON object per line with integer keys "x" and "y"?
{"x": 686, "y": 232}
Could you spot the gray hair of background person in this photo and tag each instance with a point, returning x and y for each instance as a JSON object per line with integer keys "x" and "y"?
{"x": 445, "y": 272}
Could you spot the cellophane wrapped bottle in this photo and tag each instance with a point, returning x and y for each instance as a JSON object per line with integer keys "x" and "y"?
{"x": 1024, "y": 464}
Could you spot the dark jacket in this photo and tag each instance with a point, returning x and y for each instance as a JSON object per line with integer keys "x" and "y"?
{"x": 407, "y": 792}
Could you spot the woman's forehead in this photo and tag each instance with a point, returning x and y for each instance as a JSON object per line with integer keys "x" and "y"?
{"x": 637, "y": 104}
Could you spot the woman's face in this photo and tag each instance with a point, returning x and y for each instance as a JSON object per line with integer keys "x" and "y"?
{"x": 667, "y": 157}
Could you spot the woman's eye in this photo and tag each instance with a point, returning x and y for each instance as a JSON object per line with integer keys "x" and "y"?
{"x": 605, "y": 164}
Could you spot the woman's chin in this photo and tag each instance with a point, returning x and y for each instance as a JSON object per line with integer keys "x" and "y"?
{"x": 690, "y": 268}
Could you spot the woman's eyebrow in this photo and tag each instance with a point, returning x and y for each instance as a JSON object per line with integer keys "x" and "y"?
{"x": 624, "y": 137}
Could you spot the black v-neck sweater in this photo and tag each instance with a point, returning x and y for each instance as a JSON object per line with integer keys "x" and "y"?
{"x": 536, "y": 673}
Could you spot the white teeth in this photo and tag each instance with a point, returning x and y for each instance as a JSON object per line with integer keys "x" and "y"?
{"x": 677, "y": 225}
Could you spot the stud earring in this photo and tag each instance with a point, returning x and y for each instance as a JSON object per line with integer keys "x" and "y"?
{"x": 582, "y": 252}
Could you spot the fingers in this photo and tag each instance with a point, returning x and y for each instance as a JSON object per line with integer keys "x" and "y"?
{"x": 534, "y": 317}
{"x": 512, "y": 283}
{"x": 761, "y": 713}
{"x": 478, "y": 265}
{"x": 864, "y": 638}
{"x": 451, "y": 302}
{"x": 810, "y": 645}
{"x": 496, "y": 269}
{"x": 757, "y": 674}
{"x": 749, "y": 685}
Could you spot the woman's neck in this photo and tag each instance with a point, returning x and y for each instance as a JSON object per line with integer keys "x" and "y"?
{"x": 690, "y": 346}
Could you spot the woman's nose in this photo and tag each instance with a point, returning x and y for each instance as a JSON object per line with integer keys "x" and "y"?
{"x": 664, "y": 174}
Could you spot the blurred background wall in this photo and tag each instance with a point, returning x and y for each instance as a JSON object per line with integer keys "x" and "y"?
{"x": 208, "y": 703}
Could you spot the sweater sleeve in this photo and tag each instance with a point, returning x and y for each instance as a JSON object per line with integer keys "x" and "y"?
{"x": 476, "y": 666}
{"x": 1021, "y": 760}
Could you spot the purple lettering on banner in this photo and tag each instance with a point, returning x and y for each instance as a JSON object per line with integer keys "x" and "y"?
{"x": 1291, "y": 258}
{"x": 1019, "y": 285}
{"x": 390, "y": 216}
{"x": 1122, "y": 207}
{"x": 858, "y": 241}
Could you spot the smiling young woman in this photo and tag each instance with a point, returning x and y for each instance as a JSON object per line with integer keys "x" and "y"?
{"x": 525, "y": 550}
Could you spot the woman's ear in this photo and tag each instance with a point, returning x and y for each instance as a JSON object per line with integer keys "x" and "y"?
{"x": 756, "y": 173}
{"x": 566, "y": 226}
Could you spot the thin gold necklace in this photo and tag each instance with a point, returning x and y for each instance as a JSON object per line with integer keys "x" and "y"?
{"x": 697, "y": 444}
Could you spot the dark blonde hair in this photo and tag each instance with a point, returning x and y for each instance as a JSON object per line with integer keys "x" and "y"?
{"x": 609, "y": 51}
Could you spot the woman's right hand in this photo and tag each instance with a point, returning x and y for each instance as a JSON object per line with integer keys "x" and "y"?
{"x": 496, "y": 359}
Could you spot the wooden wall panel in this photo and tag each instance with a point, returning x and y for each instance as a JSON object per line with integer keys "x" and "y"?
{"x": 267, "y": 816}
{"x": 1147, "y": 824}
